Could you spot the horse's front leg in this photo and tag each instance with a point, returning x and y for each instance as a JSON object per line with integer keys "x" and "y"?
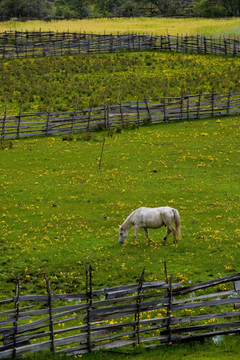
{"x": 136, "y": 233}
{"x": 147, "y": 234}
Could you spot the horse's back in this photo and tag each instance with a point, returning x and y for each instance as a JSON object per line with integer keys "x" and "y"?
{"x": 160, "y": 210}
{"x": 152, "y": 217}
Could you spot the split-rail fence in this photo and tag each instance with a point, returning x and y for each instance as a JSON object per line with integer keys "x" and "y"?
{"x": 23, "y": 44}
{"x": 146, "y": 112}
{"x": 148, "y": 313}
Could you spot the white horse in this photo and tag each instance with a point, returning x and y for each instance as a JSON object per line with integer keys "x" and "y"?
{"x": 152, "y": 218}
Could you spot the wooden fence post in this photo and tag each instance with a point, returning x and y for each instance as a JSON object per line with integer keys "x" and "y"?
{"x": 188, "y": 105}
{"x": 50, "y": 314}
{"x": 89, "y": 300}
{"x": 198, "y": 44}
{"x": 108, "y": 118}
{"x": 19, "y": 122}
{"x": 4, "y": 123}
{"x": 205, "y": 44}
{"x": 78, "y": 44}
{"x": 212, "y": 102}
{"x": 234, "y": 47}
{"x": 181, "y": 106}
{"x": 169, "y": 43}
{"x": 89, "y": 117}
{"x": 148, "y": 111}
{"x": 48, "y": 120}
{"x": 186, "y": 43}
{"x": 105, "y": 115}
{"x": 138, "y": 304}
{"x": 229, "y": 101}
{"x": 199, "y": 104}
{"x": 169, "y": 312}
{"x": 121, "y": 113}
{"x": 138, "y": 114}
{"x": 17, "y": 49}
{"x": 15, "y": 324}
{"x": 165, "y": 118}
{"x": 73, "y": 118}
{"x": 177, "y": 45}
{"x": 225, "y": 46}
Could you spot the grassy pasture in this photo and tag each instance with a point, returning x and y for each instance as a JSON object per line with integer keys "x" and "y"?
{"x": 63, "y": 81}
{"x": 190, "y": 26}
{"x": 60, "y": 212}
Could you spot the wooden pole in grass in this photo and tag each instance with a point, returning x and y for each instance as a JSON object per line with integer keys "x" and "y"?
{"x": 166, "y": 272}
{"x": 100, "y": 160}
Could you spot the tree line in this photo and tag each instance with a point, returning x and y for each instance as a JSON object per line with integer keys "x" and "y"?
{"x": 66, "y": 9}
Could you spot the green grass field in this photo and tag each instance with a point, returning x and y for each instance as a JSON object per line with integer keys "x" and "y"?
{"x": 60, "y": 212}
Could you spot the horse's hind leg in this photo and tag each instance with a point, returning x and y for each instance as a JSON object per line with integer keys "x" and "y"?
{"x": 147, "y": 234}
{"x": 171, "y": 229}
{"x": 168, "y": 232}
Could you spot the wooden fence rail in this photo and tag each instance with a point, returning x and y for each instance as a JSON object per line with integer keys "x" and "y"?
{"x": 145, "y": 112}
{"x": 154, "y": 314}
{"x": 22, "y": 44}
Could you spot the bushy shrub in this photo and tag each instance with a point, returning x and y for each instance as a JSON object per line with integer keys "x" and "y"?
{"x": 67, "y": 137}
{"x": 6, "y": 144}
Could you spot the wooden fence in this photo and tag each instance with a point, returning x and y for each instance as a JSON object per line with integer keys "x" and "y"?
{"x": 138, "y": 113}
{"x": 22, "y": 44}
{"x": 148, "y": 313}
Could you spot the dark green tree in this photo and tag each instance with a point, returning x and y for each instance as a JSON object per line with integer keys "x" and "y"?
{"x": 217, "y": 8}
{"x": 25, "y": 8}
{"x": 232, "y": 7}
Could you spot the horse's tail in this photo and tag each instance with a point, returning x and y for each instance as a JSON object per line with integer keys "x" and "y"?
{"x": 177, "y": 223}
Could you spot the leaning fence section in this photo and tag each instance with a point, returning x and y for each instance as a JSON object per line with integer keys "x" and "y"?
{"x": 149, "y": 313}
{"x": 22, "y": 44}
{"x": 108, "y": 116}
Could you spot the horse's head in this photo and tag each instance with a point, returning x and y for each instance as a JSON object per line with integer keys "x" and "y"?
{"x": 122, "y": 235}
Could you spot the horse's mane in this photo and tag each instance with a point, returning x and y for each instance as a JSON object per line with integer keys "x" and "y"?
{"x": 128, "y": 218}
